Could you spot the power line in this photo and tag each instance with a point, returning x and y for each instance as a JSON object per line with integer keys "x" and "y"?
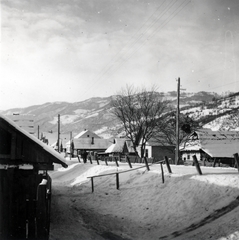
{"x": 118, "y": 56}
{"x": 164, "y": 23}
{"x": 161, "y": 26}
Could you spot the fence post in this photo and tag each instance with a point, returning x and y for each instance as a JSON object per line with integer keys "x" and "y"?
{"x": 161, "y": 164}
{"x": 116, "y": 161}
{"x": 97, "y": 160}
{"x": 128, "y": 160}
{"x": 106, "y": 163}
{"x": 214, "y": 162}
{"x": 237, "y": 160}
{"x": 117, "y": 181}
{"x": 197, "y": 165}
{"x": 167, "y": 164}
{"x": 92, "y": 184}
{"x": 146, "y": 163}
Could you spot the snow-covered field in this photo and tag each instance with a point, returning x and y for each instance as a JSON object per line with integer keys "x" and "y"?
{"x": 186, "y": 206}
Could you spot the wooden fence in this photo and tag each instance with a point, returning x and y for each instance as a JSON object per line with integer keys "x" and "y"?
{"x": 147, "y": 166}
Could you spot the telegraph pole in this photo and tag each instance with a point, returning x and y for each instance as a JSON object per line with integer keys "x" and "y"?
{"x": 177, "y": 124}
{"x": 58, "y": 138}
{"x": 38, "y": 132}
{"x": 70, "y": 144}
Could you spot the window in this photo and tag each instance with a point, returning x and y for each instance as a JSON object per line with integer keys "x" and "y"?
{"x": 188, "y": 157}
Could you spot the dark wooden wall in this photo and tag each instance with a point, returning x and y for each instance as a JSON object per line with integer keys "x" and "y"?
{"x": 24, "y": 204}
{"x": 159, "y": 152}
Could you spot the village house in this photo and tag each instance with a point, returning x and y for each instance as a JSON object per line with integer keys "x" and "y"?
{"x": 210, "y": 145}
{"x": 158, "y": 149}
{"x": 154, "y": 149}
{"x": 87, "y": 141}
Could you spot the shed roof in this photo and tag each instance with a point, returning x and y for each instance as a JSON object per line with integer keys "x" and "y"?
{"x": 32, "y": 150}
{"x": 215, "y": 143}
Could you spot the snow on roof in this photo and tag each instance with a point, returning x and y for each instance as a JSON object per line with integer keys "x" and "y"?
{"x": 60, "y": 159}
{"x": 221, "y": 149}
{"x": 116, "y": 147}
{"x": 89, "y": 133}
{"x": 81, "y": 133}
{"x": 86, "y": 143}
{"x": 214, "y": 143}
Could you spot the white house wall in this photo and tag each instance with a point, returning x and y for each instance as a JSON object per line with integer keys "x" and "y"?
{"x": 188, "y": 156}
{"x": 149, "y": 148}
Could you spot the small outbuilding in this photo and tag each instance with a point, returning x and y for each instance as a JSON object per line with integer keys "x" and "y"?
{"x": 25, "y": 186}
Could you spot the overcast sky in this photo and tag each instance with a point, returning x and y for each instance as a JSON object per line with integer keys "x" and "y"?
{"x": 72, "y": 50}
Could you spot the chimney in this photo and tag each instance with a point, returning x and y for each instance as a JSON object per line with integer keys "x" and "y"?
{"x": 92, "y": 141}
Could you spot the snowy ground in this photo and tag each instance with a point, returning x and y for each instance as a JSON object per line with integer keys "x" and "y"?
{"x": 186, "y": 206}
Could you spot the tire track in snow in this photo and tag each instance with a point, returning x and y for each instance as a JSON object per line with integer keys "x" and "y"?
{"x": 212, "y": 217}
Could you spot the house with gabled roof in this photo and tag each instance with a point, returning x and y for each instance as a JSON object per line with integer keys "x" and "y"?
{"x": 117, "y": 146}
{"x": 154, "y": 148}
{"x": 211, "y": 145}
{"x": 88, "y": 141}
{"x": 86, "y": 134}
{"x": 25, "y": 185}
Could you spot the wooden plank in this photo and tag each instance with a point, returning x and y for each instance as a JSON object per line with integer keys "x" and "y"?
{"x": 41, "y": 213}
{"x": 13, "y": 145}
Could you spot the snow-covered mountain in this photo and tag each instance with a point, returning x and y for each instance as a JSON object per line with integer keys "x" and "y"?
{"x": 95, "y": 113}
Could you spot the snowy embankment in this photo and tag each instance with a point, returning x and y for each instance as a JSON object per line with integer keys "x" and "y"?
{"x": 186, "y": 206}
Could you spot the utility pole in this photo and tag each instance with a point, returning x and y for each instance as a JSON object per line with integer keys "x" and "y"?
{"x": 58, "y": 138}
{"x": 70, "y": 144}
{"x": 38, "y": 132}
{"x": 177, "y": 124}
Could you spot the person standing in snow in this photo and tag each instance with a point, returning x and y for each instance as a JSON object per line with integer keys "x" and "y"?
{"x": 84, "y": 156}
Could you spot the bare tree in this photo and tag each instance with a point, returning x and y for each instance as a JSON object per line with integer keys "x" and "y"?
{"x": 165, "y": 133}
{"x": 140, "y": 112}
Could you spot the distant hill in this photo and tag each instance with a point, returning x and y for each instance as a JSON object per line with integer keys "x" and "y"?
{"x": 95, "y": 113}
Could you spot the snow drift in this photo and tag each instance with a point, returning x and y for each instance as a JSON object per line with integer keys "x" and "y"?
{"x": 186, "y": 206}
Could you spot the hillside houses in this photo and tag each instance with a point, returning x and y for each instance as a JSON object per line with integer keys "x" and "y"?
{"x": 211, "y": 145}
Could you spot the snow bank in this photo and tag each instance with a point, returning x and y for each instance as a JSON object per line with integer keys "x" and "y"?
{"x": 144, "y": 207}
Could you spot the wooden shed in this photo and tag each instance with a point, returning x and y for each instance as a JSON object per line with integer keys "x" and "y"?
{"x": 25, "y": 186}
